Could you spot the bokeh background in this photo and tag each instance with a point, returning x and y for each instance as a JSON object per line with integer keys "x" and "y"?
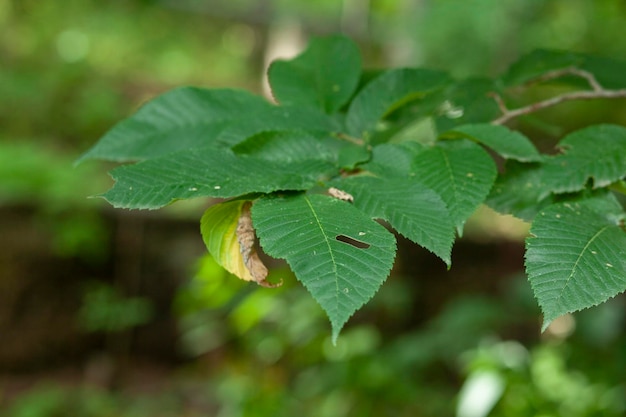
{"x": 109, "y": 312}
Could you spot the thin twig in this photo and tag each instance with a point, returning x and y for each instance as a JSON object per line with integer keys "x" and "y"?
{"x": 351, "y": 139}
{"x": 578, "y": 95}
{"x": 551, "y": 75}
{"x": 503, "y": 108}
{"x": 597, "y": 92}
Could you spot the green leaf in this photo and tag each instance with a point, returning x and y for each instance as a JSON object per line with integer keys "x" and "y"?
{"x": 465, "y": 102}
{"x": 415, "y": 211}
{"x": 289, "y": 147}
{"x": 459, "y": 171}
{"x": 576, "y": 257}
{"x": 325, "y": 75}
{"x": 539, "y": 62}
{"x": 520, "y": 191}
{"x": 191, "y": 117}
{"x": 387, "y": 93}
{"x": 507, "y": 143}
{"x": 219, "y": 233}
{"x": 607, "y": 71}
{"x": 206, "y": 172}
{"x": 393, "y": 160}
{"x": 596, "y": 152}
{"x": 350, "y": 155}
{"x": 311, "y": 232}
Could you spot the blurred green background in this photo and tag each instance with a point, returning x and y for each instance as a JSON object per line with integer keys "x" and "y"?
{"x": 114, "y": 313}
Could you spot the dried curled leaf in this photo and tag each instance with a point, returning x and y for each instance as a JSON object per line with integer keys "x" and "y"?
{"x": 247, "y": 239}
{"x": 341, "y": 195}
{"x": 229, "y": 236}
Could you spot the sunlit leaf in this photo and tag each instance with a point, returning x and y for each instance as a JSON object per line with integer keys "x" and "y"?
{"x": 340, "y": 254}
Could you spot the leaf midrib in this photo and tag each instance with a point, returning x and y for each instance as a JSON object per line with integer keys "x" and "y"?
{"x": 580, "y": 256}
{"x": 330, "y": 250}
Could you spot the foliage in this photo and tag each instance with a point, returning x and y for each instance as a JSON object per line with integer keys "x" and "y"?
{"x": 259, "y": 364}
{"x": 104, "y": 309}
{"x": 338, "y": 152}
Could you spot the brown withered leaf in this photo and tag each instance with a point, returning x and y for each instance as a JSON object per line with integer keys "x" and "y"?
{"x": 247, "y": 238}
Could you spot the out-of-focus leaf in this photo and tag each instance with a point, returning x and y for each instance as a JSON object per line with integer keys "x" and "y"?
{"x": 519, "y": 191}
{"x": 508, "y": 143}
{"x": 467, "y": 101}
{"x": 325, "y": 75}
{"x": 597, "y": 152}
{"x": 387, "y": 93}
{"x": 390, "y": 160}
{"x": 350, "y": 155}
{"x": 607, "y": 71}
{"x": 539, "y": 62}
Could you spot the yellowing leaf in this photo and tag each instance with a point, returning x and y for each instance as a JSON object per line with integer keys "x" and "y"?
{"x": 229, "y": 236}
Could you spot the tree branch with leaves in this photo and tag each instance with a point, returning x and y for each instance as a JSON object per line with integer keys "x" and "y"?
{"x": 314, "y": 175}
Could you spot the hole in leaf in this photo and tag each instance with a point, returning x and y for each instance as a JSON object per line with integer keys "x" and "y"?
{"x": 352, "y": 242}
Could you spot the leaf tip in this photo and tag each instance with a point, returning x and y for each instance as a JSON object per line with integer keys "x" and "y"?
{"x": 335, "y": 335}
{"x": 266, "y": 284}
{"x": 546, "y": 324}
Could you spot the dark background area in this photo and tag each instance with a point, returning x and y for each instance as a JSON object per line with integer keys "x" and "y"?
{"x": 108, "y": 312}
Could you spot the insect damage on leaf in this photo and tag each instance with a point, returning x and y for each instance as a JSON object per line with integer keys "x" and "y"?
{"x": 247, "y": 238}
{"x": 350, "y": 241}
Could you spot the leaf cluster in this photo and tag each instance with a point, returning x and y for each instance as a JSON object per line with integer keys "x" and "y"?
{"x": 341, "y": 160}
